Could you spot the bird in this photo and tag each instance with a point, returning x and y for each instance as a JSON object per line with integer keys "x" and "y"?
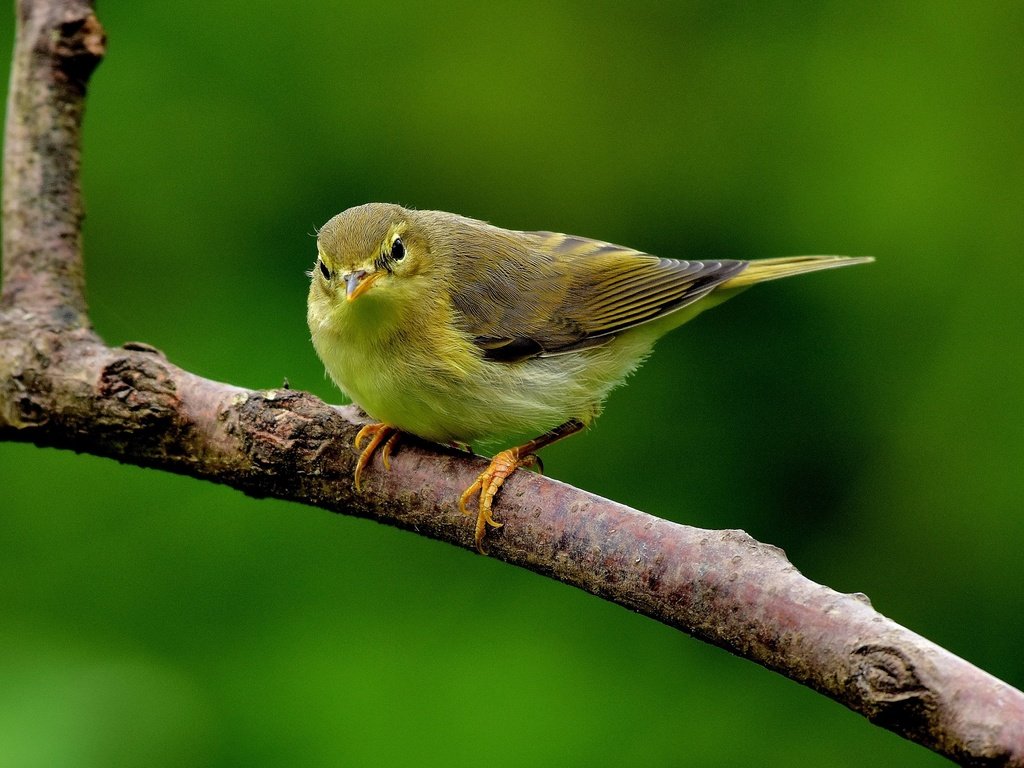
{"x": 457, "y": 331}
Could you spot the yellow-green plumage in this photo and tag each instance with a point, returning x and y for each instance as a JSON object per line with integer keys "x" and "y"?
{"x": 478, "y": 333}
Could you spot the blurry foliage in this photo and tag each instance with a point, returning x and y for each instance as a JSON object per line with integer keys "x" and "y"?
{"x": 870, "y": 421}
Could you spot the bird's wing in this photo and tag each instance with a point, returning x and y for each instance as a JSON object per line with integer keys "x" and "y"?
{"x": 543, "y": 293}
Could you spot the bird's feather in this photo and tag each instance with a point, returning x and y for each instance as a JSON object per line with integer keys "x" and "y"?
{"x": 564, "y": 292}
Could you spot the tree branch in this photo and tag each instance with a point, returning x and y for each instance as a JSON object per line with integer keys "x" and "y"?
{"x": 61, "y": 386}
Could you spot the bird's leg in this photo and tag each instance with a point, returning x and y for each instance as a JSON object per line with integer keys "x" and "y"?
{"x": 500, "y": 468}
{"x": 377, "y": 433}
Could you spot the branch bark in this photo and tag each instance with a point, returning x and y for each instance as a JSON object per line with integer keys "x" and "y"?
{"x": 61, "y": 386}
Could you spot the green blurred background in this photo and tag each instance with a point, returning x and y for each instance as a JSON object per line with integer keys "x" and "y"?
{"x": 869, "y": 421}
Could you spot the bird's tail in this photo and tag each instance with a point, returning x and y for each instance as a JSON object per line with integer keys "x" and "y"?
{"x": 762, "y": 270}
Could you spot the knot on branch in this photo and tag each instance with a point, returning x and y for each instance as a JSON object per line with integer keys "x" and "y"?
{"x": 78, "y": 49}
{"x": 279, "y": 429}
{"x": 27, "y": 352}
{"x": 139, "y": 391}
{"x": 20, "y": 409}
{"x": 889, "y": 687}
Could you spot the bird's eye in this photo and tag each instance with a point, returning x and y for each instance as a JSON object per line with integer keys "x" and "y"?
{"x": 397, "y": 250}
{"x": 324, "y": 270}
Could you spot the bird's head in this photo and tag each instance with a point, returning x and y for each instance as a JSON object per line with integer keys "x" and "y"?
{"x": 370, "y": 254}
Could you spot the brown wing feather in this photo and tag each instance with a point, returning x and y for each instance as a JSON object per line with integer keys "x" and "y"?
{"x": 524, "y": 294}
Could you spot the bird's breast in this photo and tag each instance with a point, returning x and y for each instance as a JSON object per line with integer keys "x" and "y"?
{"x": 413, "y": 375}
{"x": 427, "y": 378}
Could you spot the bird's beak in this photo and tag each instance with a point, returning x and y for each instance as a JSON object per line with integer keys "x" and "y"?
{"x": 359, "y": 282}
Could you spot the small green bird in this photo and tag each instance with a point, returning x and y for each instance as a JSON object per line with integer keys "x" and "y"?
{"x": 456, "y": 331}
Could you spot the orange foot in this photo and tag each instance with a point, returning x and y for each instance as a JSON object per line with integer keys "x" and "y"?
{"x": 487, "y": 484}
{"x": 377, "y": 433}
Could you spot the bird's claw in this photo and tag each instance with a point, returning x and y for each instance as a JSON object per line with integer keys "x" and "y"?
{"x": 487, "y": 485}
{"x": 377, "y": 434}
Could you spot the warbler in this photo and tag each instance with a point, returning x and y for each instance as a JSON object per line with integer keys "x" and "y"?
{"x": 457, "y": 331}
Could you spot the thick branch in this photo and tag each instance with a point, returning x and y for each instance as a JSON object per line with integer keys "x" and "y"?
{"x": 60, "y": 386}
{"x": 721, "y": 586}
{"x": 58, "y": 46}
